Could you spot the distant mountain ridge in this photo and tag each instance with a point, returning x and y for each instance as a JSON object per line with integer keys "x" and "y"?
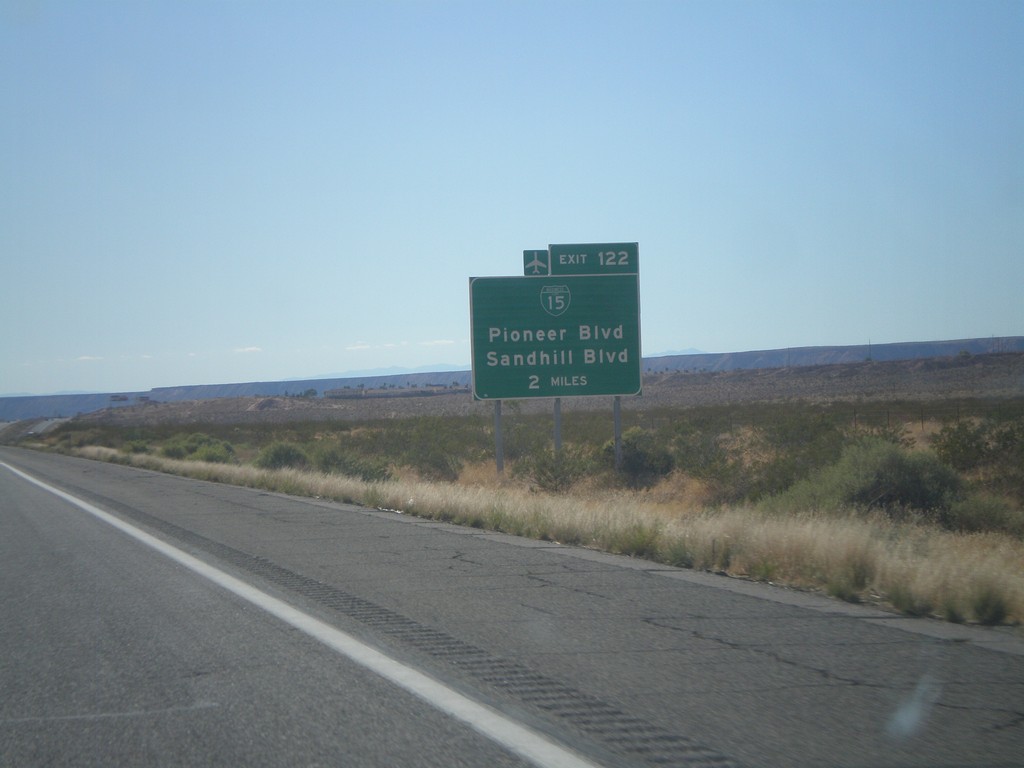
{"x": 799, "y": 356}
{"x": 53, "y": 406}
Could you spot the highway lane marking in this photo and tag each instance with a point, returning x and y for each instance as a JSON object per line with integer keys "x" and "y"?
{"x": 510, "y": 734}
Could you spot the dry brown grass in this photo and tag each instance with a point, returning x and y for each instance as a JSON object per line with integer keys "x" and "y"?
{"x": 915, "y": 568}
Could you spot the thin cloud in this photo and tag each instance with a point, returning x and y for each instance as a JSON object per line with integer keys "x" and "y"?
{"x": 360, "y": 346}
{"x": 87, "y": 358}
{"x": 248, "y": 350}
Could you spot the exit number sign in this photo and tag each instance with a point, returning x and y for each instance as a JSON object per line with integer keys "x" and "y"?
{"x": 583, "y": 259}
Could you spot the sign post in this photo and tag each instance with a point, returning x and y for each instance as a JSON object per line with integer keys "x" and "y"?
{"x": 499, "y": 444}
{"x": 558, "y": 426}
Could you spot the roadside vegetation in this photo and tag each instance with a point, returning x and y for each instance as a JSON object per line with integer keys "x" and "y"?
{"x": 893, "y": 506}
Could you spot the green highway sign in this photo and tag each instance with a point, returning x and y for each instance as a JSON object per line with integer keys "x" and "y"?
{"x": 595, "y": 259}
{"x": 555, "y": 336}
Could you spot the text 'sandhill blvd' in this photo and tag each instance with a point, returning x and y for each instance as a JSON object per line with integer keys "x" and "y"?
{"x": 560, "y": 357}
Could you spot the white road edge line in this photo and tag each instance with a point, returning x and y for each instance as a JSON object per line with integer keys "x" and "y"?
{"x": 514, "y": 736}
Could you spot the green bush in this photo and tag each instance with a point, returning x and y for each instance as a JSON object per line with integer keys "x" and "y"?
{"x": 705, "y": 455}
{"x": 962, "y": 445}
{"x": 1007, "y": 470}
{"x": 992, "y": 452}
{"x": 334, "y": 459}
{"x": 555, "y": 472}
{"x": 979, "y": 512}
{"x": 700, "y": 453}
{"x": 796, "y": 445}
{"x": 887, "y": 476}
{"x": 215, "y": 453}
{"x": 436, "y": 463}
{"x": 281, "y": 455}
{"x": 198, "y": 446}
{"x": 989, "y": 603}
{"x": 898, "y": 434}
{"x": 644, "y": 459}
{"x": 436, "y": 447}
{"x": 877, "y": 474}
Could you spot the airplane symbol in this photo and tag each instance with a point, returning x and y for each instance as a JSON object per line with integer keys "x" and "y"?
{"x": 538, "y": 265}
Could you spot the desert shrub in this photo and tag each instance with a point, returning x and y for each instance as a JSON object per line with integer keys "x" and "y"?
{"x": 280, "y": 455}
{"x": 989, "y": 602}
{"x": 991, "y": 452}
{"x": 707, "y": 455}
{"x": 334, "y": 459}
{"x": 216, "y": 453}
{"x": 198, "y": 446}
{"x": 700, "y": 453}
{"x": 523, "y": 437}
{"x": 555, "y": 472}
{"x": 437, "y": 447}
{"x": 979, "y": 512}
{"x": 69, "y": 436}
{"x": 436, "y": 463}
{"x": 898, "y": 434}
{"x": 887, "y": 476}
{"x": 962, "y": 446}
{"x": 174, "y": 450}
{"x": 876, "y": 473}
{"x": 1008, "y": 438}
{"x": 911, "y": 602}
{"x": 645, "y": 460}
{"x": 638, "y": 539}
{"x": 1007, "y": 468}
{"x": 796, "y": 444}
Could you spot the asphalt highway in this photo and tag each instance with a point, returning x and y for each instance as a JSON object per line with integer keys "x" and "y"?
{"x": 154, "y": 620}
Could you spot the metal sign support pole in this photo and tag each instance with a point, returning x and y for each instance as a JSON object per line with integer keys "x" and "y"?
{"x": 499, "y": 448}
{"x": 558, "y": 426}
{"x": 617, "y": 417}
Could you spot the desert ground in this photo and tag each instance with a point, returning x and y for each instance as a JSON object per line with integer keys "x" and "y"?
{"x": 949, "y": 379}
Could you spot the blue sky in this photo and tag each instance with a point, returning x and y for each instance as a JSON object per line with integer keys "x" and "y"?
{"x": 210, "y": 192}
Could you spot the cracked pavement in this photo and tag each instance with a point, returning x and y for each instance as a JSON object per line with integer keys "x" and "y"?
{"x": 758, "y": 674}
